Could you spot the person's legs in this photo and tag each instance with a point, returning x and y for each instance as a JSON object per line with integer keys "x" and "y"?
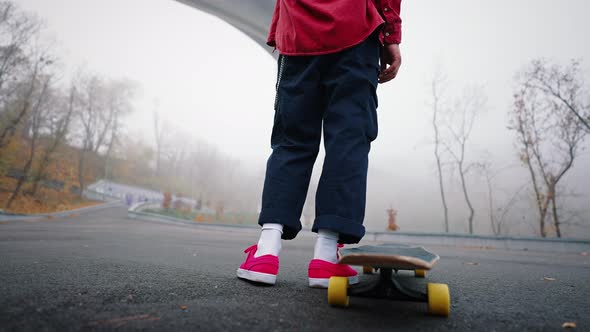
{"x": 350, "y": 125}
{"x": 295, "y": 142}
{"x": 340, "y": 90}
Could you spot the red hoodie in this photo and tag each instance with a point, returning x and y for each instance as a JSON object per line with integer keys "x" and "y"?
{"x": 314, "y": 27}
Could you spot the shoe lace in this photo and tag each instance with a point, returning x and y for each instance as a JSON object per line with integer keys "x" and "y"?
{"x": 251, "y": 248}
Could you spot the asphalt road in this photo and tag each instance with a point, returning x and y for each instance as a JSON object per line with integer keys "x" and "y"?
{"x": 104, "y": 271}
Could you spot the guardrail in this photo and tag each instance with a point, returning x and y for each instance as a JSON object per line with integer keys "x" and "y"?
{"x": 140, "y": 206}
{"x": 137, "y": 211}
{"x": 434, "y": 239}
{"x": 98, "y": 196}
{"x": 482, "y": 241}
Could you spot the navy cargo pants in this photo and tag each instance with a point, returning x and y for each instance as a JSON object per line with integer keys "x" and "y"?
{"x": 336, "y": 92}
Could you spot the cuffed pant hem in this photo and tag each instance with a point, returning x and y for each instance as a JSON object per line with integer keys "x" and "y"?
{"x": 348, "y": 231}
{"x": 291, "y": 224}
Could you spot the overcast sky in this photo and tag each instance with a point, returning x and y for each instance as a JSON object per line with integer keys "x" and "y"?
{"x": 215, "y": 83}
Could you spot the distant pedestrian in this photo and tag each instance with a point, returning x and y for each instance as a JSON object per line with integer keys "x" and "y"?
{"x": 129, "y": 199}
{"x": 332, "y": 55}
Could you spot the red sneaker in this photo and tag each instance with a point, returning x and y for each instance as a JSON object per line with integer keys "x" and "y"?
{"x": 320, "y": 271}
{"x": 263, "y": 269}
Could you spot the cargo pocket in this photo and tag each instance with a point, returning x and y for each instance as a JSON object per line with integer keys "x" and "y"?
{"x": 372, "y": 123}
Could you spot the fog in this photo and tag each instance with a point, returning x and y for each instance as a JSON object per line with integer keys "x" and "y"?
{"x": 214, "y": 83}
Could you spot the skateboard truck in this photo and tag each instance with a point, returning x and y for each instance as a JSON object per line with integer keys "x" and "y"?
{"x": 387, "y": 287}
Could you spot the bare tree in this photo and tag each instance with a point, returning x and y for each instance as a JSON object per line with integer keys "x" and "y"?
{"x": 546, "y": 117}
{"x": 437, "y": 85}
{"x": 205, "y": 161}
{"x": 564, "y": 85}
{"x": 162, "y": 132}
{"x": 58, "y": 127}
{"x": 17, "y": 30}
{"x": 18, "y": 107}
{"x": 87, "y": 103}
{"x": 92, "y": 120}
{"x": 498, "y": 212}
{"x": 460, "y": 127}
{"x": 192, "y": 167}
{"x": 178, "y": 151}
{"x": 36, "y": 119}
{"x": 100, "y": 105}
{"x": 131, "y": 162}
{"x": 119, "y": 96}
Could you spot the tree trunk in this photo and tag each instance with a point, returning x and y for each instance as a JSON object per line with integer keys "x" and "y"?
{"x": 108, "y": 159}
{"x": 543, "y": 212}
{"x": 106, "y": 167}
{"x": 442, "y": 192}
{"x": 467, "y": 200}
{"x": 39, "y": 176}
{"x": 157, "y": 162}
{"x": 9, "y": 130}
{"x": 539, "y": 199}
{"x": 27, "y": 168}
{"x": 555, "y": 215}
{"x": 495, "y": 225}
{"x": 158, "y": 143}
{"x": 41, "y": 170}
{"x": 19, "y": 184}
{"x": 81, "y": 166}
{"x": 59, "y": 137}
{"x": 34, "y": 125}
{"x": 437, "y": 153}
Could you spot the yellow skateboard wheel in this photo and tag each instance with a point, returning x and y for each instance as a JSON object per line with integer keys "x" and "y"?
{"x": 337, "y": 292}
{"x": 367, "y": 269}
{"x": 439, "y": 299}
{"x": 420, "y": 273}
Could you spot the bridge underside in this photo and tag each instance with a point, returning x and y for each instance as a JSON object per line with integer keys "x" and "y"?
{"x": 250, "y": 16}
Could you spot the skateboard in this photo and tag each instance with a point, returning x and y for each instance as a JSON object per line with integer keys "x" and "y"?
{"x": 388, "y": 259}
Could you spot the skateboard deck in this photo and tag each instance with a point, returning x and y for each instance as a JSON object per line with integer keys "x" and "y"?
{"x": 394, "y": 256}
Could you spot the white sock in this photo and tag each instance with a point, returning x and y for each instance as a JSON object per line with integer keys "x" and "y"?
{"x": 270, "y": 240}
{"x": 326, "y": 246}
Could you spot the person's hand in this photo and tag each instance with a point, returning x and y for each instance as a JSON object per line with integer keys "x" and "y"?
{"x": 391, "y": 60}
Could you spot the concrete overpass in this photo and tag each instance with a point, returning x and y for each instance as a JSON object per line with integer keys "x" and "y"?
{"x": 250, "y": 16}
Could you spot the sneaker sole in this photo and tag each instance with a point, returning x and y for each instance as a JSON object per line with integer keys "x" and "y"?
{"x": 324, "y": 282}
{"x": 264, "y": 278}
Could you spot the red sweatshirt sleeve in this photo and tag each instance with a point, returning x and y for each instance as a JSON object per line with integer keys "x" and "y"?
{"x": 270, "y": 41}
{"x": 390, "y": 10}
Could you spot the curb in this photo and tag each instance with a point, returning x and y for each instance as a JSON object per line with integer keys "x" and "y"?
{"x": 16, "y": 217}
